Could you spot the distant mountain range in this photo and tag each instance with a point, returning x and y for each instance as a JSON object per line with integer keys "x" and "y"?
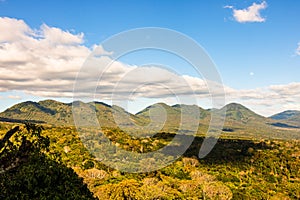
{"x": 238, "y": 118}
{"x": 289, "y": 116}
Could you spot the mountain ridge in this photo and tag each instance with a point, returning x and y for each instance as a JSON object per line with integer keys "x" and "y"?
{"x": 58, "y": 113}
{"x": 289, "y": 116}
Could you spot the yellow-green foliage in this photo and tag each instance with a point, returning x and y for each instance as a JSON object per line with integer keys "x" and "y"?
{"x": 235, "y": 169}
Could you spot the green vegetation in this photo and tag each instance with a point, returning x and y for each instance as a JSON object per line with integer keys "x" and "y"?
{"x": 251, "y": 160}
{"x": 235, "y": 169}
{"x": 241, "y": 121}
{"x": 28, "y": 171}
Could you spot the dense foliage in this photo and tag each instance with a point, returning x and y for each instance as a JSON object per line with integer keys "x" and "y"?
{"x": 235, "y": 169}
{"x": 28, "y": 172}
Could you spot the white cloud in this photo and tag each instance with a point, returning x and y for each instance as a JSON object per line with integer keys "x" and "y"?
{"x": 100, "y": 51}
{"x": 268, "y": 100}
{"x": 38, "y": 61}
{"x": 14, "y": 97}
{"x": 45, "y": 62}
{"x": 130, "y": 82}
{"x": 56, "y": 36}
{"x": 230, "y": 7}
{"x": 12, "y": 29}
{"x": 249, "y": 14}
{"x": 298, "y": 49}
{"x": 291, "y": 89}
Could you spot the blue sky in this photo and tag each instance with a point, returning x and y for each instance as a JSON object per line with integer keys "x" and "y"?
{"x": 254, "y": 50}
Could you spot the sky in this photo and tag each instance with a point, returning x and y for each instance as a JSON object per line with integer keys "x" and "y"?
{"x": 255, "y": 46}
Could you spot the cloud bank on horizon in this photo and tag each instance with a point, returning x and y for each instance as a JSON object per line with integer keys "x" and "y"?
{"x": 44, "y": 62}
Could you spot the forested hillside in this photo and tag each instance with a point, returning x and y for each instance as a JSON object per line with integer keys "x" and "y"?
{"x": 235, "y": 169}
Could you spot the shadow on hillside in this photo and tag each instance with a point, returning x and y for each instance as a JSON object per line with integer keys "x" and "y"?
{"x": 224, "y": 151}
{"x": 21, "y": 121}
{"x": 227, "y": 150}
{"x": 42, "y": 178}
{"x": 283, "y": 125}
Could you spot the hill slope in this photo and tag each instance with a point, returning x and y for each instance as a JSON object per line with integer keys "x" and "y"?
{"x": 240, "y": 121}
{"x": 44, "y": 111}
{"x": 57, "y": 113}
{"x": 238, "y": 112}
{"x": 290, "y": 116}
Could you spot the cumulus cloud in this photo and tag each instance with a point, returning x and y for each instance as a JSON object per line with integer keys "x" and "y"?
{"x": 56, "y": 36}
{"x": 249, "y": 14}
{"x": 38, "y": 60}
{"x": 113, "y": 79}
{"x": 45, "y": 62}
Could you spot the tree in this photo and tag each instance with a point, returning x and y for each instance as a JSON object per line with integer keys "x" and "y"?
{"x": 28, "y": 172}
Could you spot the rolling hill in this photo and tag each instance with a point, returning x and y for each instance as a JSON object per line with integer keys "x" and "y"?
{"x": 238, "y": 112}
{"x": 173, "y": 118}
{"x": 48, "y": 111}
{"x": 58, "y": 113}
{"x": 239, "y": 120}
